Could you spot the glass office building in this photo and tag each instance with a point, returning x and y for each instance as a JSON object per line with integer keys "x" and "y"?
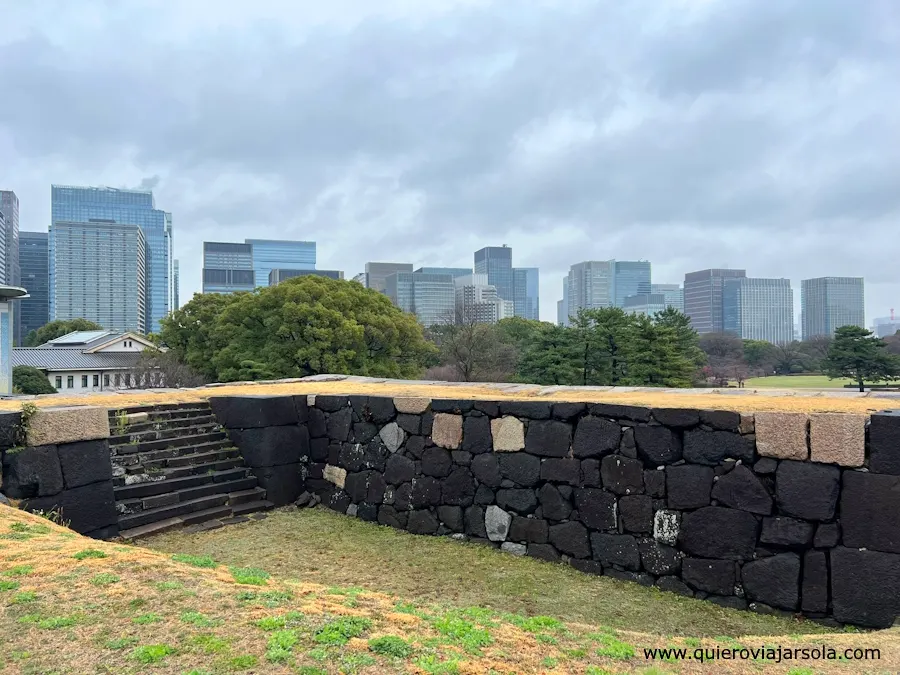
{"x": 827, "y": 303}
{"x": 496, "y": 262}
{"x": 431, "y": 297}
{"x": 228, "y": 267}
{"x": 129, "y": 207}
{"x": 455, "y": 272}
{"x": 376, "y": 274}
{"x": 703, "y": 298}
{"x": 759, "y": 309}
{"x": 526, "y": 292}
{"x": 276, "y": 276}
{"x": 673, "y": 294}
{"x": 99, "y": 274}
{"x": 270, "y": 254}
{"x": 9, "y": 208}
{"x": 632, "y": 278}
{"x": 176, "y": 304}
{"x": 591, "y": 285}
{"x": 34, "y": 311}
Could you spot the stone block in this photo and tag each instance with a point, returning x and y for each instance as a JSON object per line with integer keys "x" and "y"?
{"x": 411, "y": 424}
{"x": 674, "y": 585}
{"x": 590, "y": 472}
{"x": 521, "y": 468}
{"x": 451, "y": 517}
{"x": 688, "y": 486}
{"x": 10, "y": 428}
{"x": 356, "y": 457}
{"x": 548, "y": 438}
{"x": 870, "y": 504}
{"x": 544, "y": 552}
{"x": 32, "y": 472}
{"x": 666, "y": 526}
{"x": 388, "y": 515}
{"x": 477, "y": 435}
{"x": 518, "y": 500}
{"x": 559, "y": 470}
{"x": 806, "y": 490}
{"x": 865, "y": 587}
{"x": 828, "y": 535}
{"x": 784, "y": 531}
{"x": 486, "y": 468}
{"x": 446, "y": 431}
{"x": 709, "y": 576}
{"x": 53, "y": 426}
{"x": 335, "y": 475}
{"x": 814, "y": 586}
{"x": 380, "y": 409}
{"x": 271, "y": 446}
{"x": 571, "y": 539}
{"x": 508, "y": 434}
{"x": 659, "y": 559}
{"x": 87, "y": 508}
{"x": 681, "y": 418}
{"x": 636, "y": 513}
{"x": 837, "y": 438}
{"x": 253, "y": 412}
{"x": 553, "y": 505}
{"x": 422, "y": 522}
{"x": 85, "y": 462}
{"x": 338, "y": 424}
{"x": 655, "y": 483}
{"x": 616, "y": 549}
{"x": 884, "y": 442}
{"x": 283, "y": 483}
{"x": 331, "y": 403}
{"x": 489, "y": 408}
{"x": 426, "y": 491}
{"x": 782, "y": 435}
{"x": 712, "y": 447}
{"x": 595, "y": 437}
{"x": 514, "y": 549}
{"x": 399, "y": 469}
{"x": 474, "y": 518}
{"x": 658, "y": 445}
{"x": 436, "y": 462}
{"x": 392, "y": 436}
{"x": 718, "y": 532}
{"x": 741, "y": 489}
{"x": 774, "y": 581}
{"x": 496, "y": 523}
{"x": 567, "y": 411}
{"x": 596, "y": 508}
{"x": 317, "y": 424}
{"x": 723, "y": 420}
{"x": 529, "y": 530}
{"x": 412, "y": 406}
{"x": 458, "y": 489}
{"x": 532, "y": 410}
{"x": 616, "y": 411}
{"x": 622, "y": 475}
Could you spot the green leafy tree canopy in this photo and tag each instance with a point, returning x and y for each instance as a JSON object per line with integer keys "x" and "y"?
{"x": 32, "y": 381}
{"x": 856, "y": 354}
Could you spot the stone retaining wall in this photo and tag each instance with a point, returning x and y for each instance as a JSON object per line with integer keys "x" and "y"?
{"x": 775, "y": 512}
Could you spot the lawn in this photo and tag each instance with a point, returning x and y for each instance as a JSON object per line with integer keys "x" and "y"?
{"x": 794, "y": 382}
{"x": 270, "y": 602}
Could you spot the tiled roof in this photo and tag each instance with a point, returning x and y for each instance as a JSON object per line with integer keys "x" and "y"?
{"x": 79, "y": 338}
{"x": 64, "y": 358}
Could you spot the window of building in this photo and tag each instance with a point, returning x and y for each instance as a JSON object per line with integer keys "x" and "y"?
{"x": 70, "y": 381}
{"x": 59, "y": 381}
{"x": 106, "y": 380}
{"x": 118, "y": 380}
{"x": 96, "y": 380}
{"x": 84, "y": 381}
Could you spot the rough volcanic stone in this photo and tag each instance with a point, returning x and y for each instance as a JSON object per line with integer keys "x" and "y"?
{"x": 507, "y": 434}
{"x": 399, "y": 469}
{"x": 784, "y": 531}
{"x": 718, "y": 532}
{"x": 474, "y": 522}
{"x": 10, "y": 428}
{"x": 377, "y": 488}
{"x": 727, "y": 601}
{"x": 283, "y": 484}
{"x": 782, "y": 435}
{"x": 87, "y": 508}
{"x": 415, "y": 446}
{"x": 666, "y": 526}
{"x": 356, "y": 457}
{"x": 633, "y": 577}
{"x": 461, "y": 457}
{"x": 627, "y": 446}
{"x": 331, "y": 404}
{"x": 436, "y": 462}
{"x": 806, "y": 490}
{"x": 411, "y": 424}
{"x": 422, "y": 522}
{"x": 484, "y": 495}
{"x": 518, "y": 500}
{"x": 657, "y": 445}
{"x": 244, "y": 412}
{"x": 724, "y": 420}
{"x": 659, "y": 559}
{"x": 514, "y": 549}
{"x": 446, "y": 431}
{"x": 496, "y": 523}
{"x": 616, "y": 549}
{"x": 426, "y": 491}
{"x": 271, "y": 446}
{"x": 476, "y": 435}
{"x": 523, "y": 469}
{"x": 636, "y": 512}
{"x": 392, "y": 436}
{"x": 403, "y": 497}
{"x": 543, "y": 552}
{"x": 533, "y": 410}
{"x": 531, "y": 530}
{"x": 622, "y": 475}
{"x": 865, "y": 587}
{"x": 884, "y": 442}
{"x": 459, "y": 488}
{"x": 677, "y": 417}
{"x": 688, "y": 486}
{"x": 54, "y": 426}
{"x": 595, "y": 437}
{"x": 338, "y": 424}
{"x": 655, "y": 483}
{"x": 318, "y": 449}
{"x": 388, "y": 515}
{"x": 828, "y": 535}
{"x": 32, "y": 472}
{"x": 571, "y": 539}
{"x": 489, "y": 408}
{"x": 548, "y": 438}
{"x": 741, "y": 489}
{"x": 560, "y": 470}
{"x": 317, "y": 424}
{"x": 335, "y": 474}
{"x": 870, "y": 504}
{"x": 412, "y": 406}
{"x": 628, "y": 412}
{"x": 449, "y": 405}
{"x": 837, "y": 438}
{"x": 586, "y": 566}
{"x": 814, "y": 587}
{"x": 712, "y": 447}
{"x": 774, "y": 581}
{"x": 596, "y": 508}
{"x": 426, "y": 422}
{"x": 674, "y": 585}
{"x": 567, "y": 411}
{"x": 590, "y": 473}
{"x": 710, "y": 576}
{"x": 765, "y": 466}
{"x": 380, "y": 409}
{"x": 363, "y": 432}
{"x": 486, "y": 469}
{"x": 553, "y": 505}
{"x": 356, "y": 485}
{"x": 367, "y": 512}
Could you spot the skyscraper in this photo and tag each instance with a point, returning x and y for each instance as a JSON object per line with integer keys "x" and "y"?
{"x": 99, "y": 273}
{"x": 591, "y": 285}
{"x": 827, "y": 303}
{"x": 125, "y": 207}
{"x": 454, "y": 272}
{"x": 228, "y": 267}
{"x": 477, "y": 301}
{"x": 632, "y": 278}
{"x": 648, "y": 304}
{"x": 526, "y": 292}
{"x": 377, "y": 273}
{"x": 562, "y": 306}
{"x": 703, "y": 298}
{"x": 12, "y": 275}
{"x": 276, "y": 276}
{"x": 759, "y": 309}
{"x": 34, "y": 311}
{"x": 673, "y": 293}
{"x": 270, "y": 254}
{"x": 496, "y": 262}
{"x": 431, "y": 297}
{"x": 177, "y": 283}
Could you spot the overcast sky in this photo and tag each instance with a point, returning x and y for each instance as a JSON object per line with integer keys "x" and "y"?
{"x": 693, "y": 133}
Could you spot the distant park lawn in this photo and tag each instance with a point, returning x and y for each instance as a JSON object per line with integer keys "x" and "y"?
{"x": 794, "y": 382}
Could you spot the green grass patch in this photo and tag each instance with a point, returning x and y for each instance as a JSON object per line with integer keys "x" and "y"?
{"x": 49, "y": 623}
{"x": 120, "y": 643}
{"x": 105, "y": 579}
{"x": 339, "y": 631}
{"x": 243, "y": 662}
{"x": 270, "y": 623}
{"x": 168, "y": 585}
{"x": 280, "y": 646}
{"x": 146, "y": 619}
{"x": 250, "y": 575}
{"x": 24, "y": 597}
{"x": 89, "y": 553}
{"x": 30, "y": 528}
{"x": 16, "y": 536}
{"x": 795, "y": 382}
{"x": 535, "y": 624}
{"x": 463, "y": 632}
{"x": 204, "y": 561}
{"x": 614, "y": 648}
{"x": 432, "y": 665}
{"x": 148, "y": 654}
{"x": 391, "y": 645}
{"x": 18, "y": 571}
{"x": 9, "y": 585}
{"x": 200, "y": 620}
{"x": 210, "y": 644}
{"x": 311, "y": 670}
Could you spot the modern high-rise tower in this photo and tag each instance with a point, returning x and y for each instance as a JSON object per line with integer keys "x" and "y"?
{"x": 34, "y": 311}
{"x": 759, "y": 309}
{"x": 827, "y": 303}
{"x": 703, "y": 298}
{"x": 496, "y": 262}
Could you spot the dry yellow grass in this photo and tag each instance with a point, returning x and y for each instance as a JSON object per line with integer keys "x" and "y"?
{"x": 763, "y": 401}
{"x": 129, "y": 610}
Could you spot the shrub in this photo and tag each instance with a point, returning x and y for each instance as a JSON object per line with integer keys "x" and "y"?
{"x": 29, "y": 380}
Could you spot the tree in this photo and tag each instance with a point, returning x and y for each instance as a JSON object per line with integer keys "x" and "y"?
{"x": 551, "y": 358}
{"x": 191, "y": 332}
{"x": 30, "y": 380}
{"x": 58, "y": 328}
{"x": 475, "y": 351}
{"x": 760, "y": 356}
{"x": 163, "y": 369}
{"x": 724, "y": 352}
{"x": 856, "y": 354}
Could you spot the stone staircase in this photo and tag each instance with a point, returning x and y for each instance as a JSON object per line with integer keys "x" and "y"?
{"x": 173, "y": 466}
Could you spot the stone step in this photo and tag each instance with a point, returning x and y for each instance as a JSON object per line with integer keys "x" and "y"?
{"x": 216, "y": 467}
{"x": 160, "y": 430}
{"x": 137, "y": 458}
{"x": 230, "y": 487}
{"x": 207, "y": 514}
{"x": 158, "y": 527}
{"x": 172, "y": 511}
{"x": 203, "y": 457}
{"x": 239, "y": 497}
{"x": 242, "y": 486}
{"x": 140, "y": 490}
{"x": 166, "y": 443}
{"x": 160, "y": 408}
{"x": 252, "y": 507}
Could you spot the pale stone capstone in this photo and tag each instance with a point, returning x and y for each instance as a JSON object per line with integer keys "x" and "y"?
{"x": 54, "y": 426}
{"x": 412, "y": 406}
{"x": 837, "y": 438}
{"x": 446, "y": 431}
{"x": 508, "y": 434}
{"x": 782, "y": 435}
